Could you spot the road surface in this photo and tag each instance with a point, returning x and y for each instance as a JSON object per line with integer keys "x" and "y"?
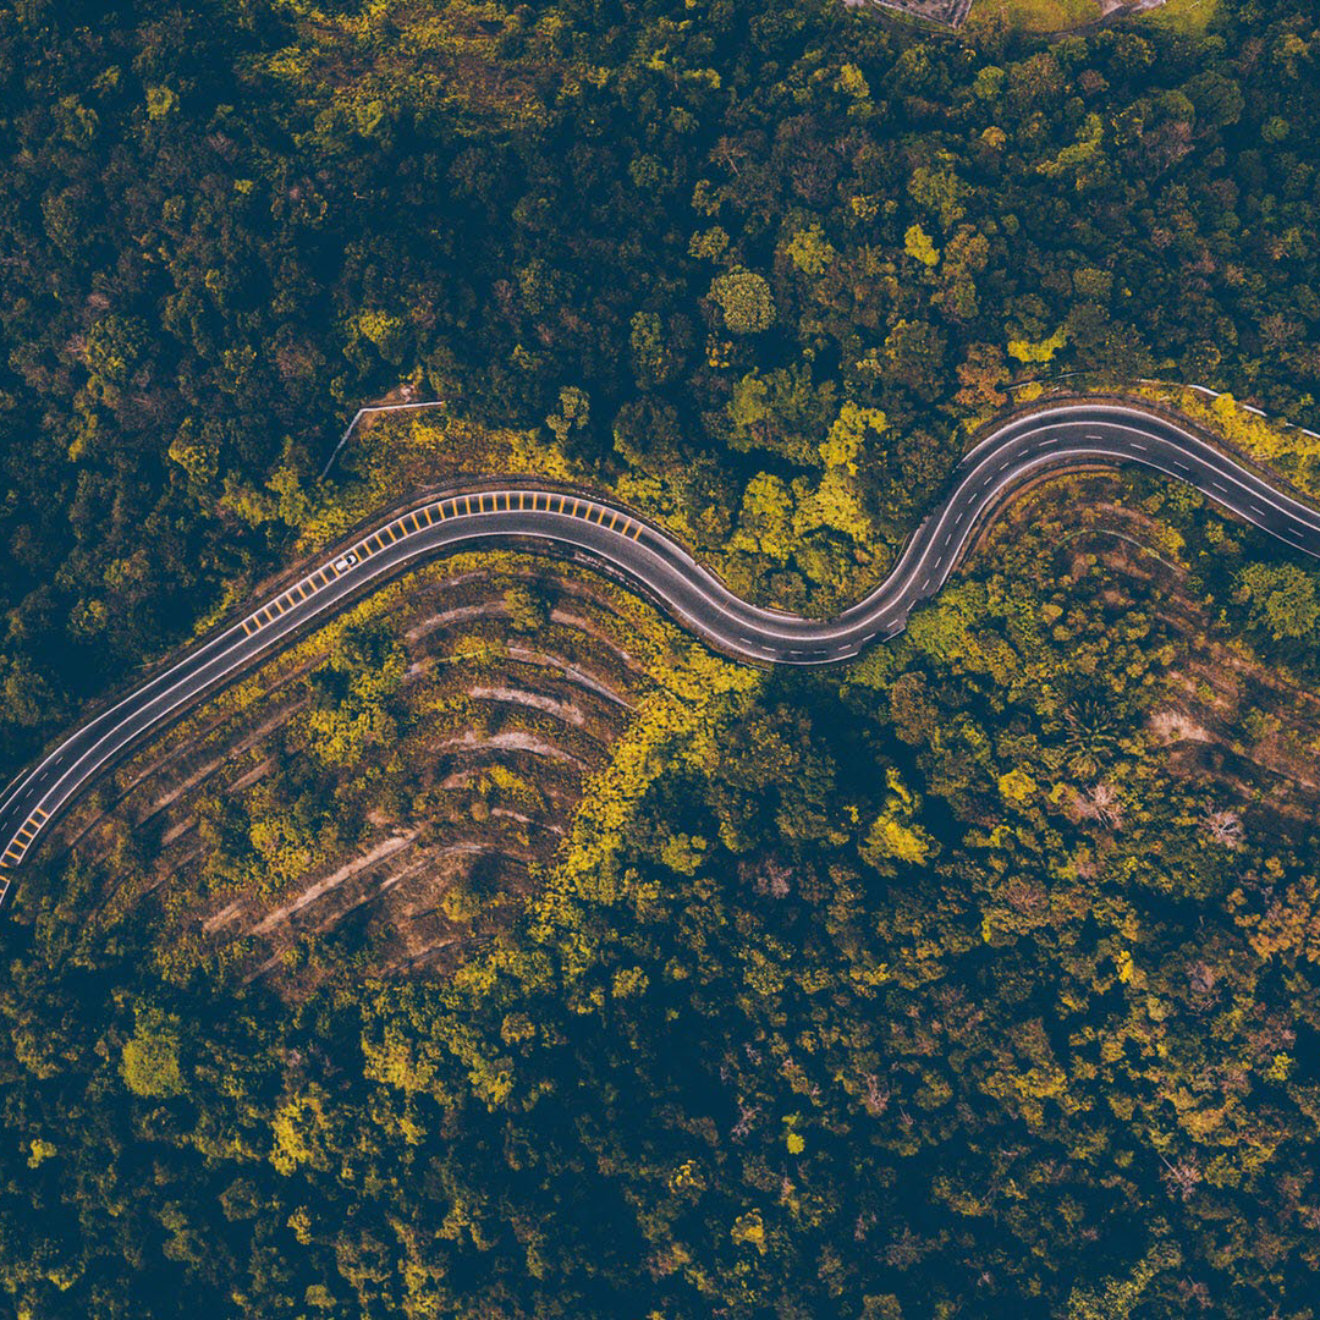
{"x": 1069, "y": 435}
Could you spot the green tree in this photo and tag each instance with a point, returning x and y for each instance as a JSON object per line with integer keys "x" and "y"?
{"x": 745, "y": 299}
{"x": 1281, "y": 599}
{"x": 149, "y": 1063}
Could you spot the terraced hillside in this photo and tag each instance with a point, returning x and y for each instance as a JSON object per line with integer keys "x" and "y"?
{"x": 451, "y": 722}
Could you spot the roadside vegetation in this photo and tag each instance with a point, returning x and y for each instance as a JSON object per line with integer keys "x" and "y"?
{"x": 1188, "y": 17}
{"x": 1036, "y": 16}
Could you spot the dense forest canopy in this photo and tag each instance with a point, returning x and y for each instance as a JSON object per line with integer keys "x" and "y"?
{"x": 934, "y": 986}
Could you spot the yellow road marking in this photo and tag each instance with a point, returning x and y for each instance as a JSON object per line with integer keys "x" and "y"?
{"x": 425, "y": 509}
{"x": 637, "y": 531}
{"x": 40, "y": 814}
{"x": 613, "y": 519}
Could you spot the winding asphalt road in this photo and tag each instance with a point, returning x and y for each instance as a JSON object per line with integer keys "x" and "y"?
{"x": 1070, "y": 435}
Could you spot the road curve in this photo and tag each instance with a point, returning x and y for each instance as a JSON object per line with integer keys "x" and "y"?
{"x": 1068, "y": 435}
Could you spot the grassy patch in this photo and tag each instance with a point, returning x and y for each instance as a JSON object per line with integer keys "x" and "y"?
{"x": 1039, "y": 15}
{"x": 1190, "y": 17}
